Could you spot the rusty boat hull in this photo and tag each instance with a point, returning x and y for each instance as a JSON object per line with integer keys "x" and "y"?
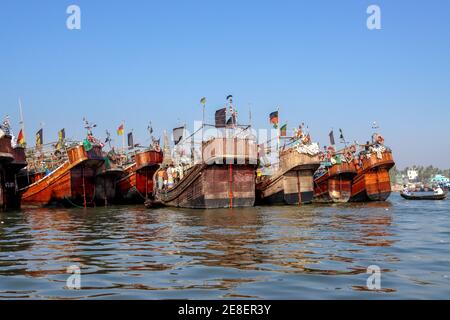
{"x": 224, "y": 179}
{"x": 106, "y": 179}
{"x": 71, "y": 184}
{"x": 336, "y": 184}
{"x": 212, "y": 187}
{"x": 12, "y": 160}
{"x": 373, "y": 183}
{"x": 136, "y": 185}
{"x": 292, "y": 184}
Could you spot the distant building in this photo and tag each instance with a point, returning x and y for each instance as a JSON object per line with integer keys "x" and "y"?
{"x": 412, "y": 174}
{"x": 439, "y": 178}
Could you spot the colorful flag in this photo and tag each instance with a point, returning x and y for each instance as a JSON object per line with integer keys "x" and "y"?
{"x": 274, "y": 119}
{"x": 39, "y": 138}
{"x": 203, "y": 101}
{"x": 120, "y": 130}
{"x": 221, "y": 116}
{"x": 21, "y": 138}
{"x": 332, "y": 142}
{"x": 62, "y": 134}
{"x": 87, "y": 145}
{"x": 61, "y": 138}
{"x": 283, "y": 131}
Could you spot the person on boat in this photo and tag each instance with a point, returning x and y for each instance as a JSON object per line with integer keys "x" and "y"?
{"x": 406, "y": 190}
{"x": 438, "y": 190}
{"x": 175, "y": 174}
{"x": 165, "y": 178}
{"x": 170, "y": 176}
{"x": 161, "y": 179}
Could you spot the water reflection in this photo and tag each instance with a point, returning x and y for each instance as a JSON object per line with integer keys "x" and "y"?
{"x": 263, "y": 252}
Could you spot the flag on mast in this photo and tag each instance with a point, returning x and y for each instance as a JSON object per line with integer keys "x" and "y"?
{"x": 274, "y": 119}
{"x": 332, "y": 142}
{"x": 61, "y": 138}
{"x": 130, "y": 140}
{"x": 120, "y": 130}
{"x": 283, "y": 131}
{"x": 40, "y": 138}
{"x": 21, "y": 138}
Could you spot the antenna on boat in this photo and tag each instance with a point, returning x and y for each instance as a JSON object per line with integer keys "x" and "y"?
{"x": 108, "y": 138}
{"x": 89, "y": 125}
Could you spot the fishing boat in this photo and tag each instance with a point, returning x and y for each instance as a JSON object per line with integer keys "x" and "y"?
{"x": 372, "y": 182}
{"x": 291, "y": 181}
{"x": 137, "y": 186}
{"x": 220, "y": 173}
{"x": 225, "y": 178}
{"x": 333, "y": 181}
{"x": 70, "y": 174}
{"x": 12, "y": 160}
{"x": 442, "y": 196}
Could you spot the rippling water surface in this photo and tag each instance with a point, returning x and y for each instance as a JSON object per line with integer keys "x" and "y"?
{"x": 309, "y": 252}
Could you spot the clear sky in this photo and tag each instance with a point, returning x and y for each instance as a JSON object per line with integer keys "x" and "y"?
{"x": 149, "y": 60}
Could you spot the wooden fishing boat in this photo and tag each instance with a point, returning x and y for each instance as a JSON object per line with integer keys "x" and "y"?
{"x": 335, "y": 184}
{"x": 372, "y": 182}
{"x": 425, "y": 196}
{"x": 292, "y": 183}
{"x": 70, "y": 184}
{"x": 224, "y": 178}
{"x": 136, "y": 186}
{"x": 12, "y": 160}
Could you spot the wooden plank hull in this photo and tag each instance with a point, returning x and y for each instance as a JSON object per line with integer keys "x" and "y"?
{"x": 336, "y": 184}
{"x": 373, "y": 183}
{"x": 292, "y": 184}
{"x": 137, "y": 185}
{"x": 72, "y": 184}
{"x": 213, "y": 186}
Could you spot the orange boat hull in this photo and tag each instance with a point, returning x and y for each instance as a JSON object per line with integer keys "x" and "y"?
{"x": 72, "y": 184}
{"x": 336, "y": 184}
{"x": 373, "y": 182}
{"x": 137, "y": 184}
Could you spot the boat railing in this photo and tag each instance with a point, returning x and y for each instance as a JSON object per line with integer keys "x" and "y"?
{"x": 48, "y": 157}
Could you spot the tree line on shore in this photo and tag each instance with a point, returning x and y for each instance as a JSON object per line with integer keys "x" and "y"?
{"x": 424, "y": 173}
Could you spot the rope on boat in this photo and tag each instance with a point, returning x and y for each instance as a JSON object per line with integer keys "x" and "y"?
{"x": 140, "y": 194}
{"x": 73, "y": 204}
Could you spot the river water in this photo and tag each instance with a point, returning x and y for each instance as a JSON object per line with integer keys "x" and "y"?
{"x": 308, "y": 252}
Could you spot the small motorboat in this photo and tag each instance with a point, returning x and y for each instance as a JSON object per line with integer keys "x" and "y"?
{"x": 424, "y": 197}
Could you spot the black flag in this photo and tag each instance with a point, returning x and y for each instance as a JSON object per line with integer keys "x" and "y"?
{"x": 341, "y": 136}
{"x": 130, "y": 140}
{"x": 332, "y": 138}
{"x": 231, "y": 121}
{"x": 221, "y": 116}
{"x": 40, "y": 138}
{"x": 178, "y": 134}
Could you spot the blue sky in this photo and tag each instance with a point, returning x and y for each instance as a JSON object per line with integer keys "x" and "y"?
{"x": 148, "y": 60}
